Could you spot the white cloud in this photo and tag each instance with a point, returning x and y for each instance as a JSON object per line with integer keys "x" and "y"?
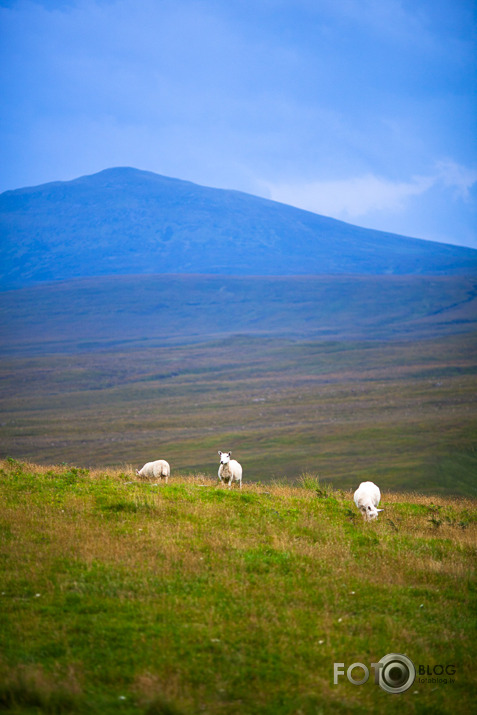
{"x": 456, "y": 177}
{"x": 349, "y": 198}
{"x": 356, "y": 197}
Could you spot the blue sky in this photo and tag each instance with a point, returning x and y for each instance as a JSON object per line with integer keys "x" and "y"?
{"x": 364, "y": 110}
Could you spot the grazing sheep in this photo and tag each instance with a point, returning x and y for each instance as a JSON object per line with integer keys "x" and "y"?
{"x": 367, "y": 497}
{"x": 229, "y": 470}
{"x": 154, "y": 470}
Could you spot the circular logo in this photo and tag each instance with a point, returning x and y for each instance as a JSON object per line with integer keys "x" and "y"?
{"x": 397, "y": 673}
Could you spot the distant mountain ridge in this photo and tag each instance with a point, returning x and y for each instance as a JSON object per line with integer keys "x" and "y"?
{"x": 124, "y": 221}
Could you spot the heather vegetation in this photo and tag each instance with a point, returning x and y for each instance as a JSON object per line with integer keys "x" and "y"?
{"x": 401, "y": 413}
{"x": 124, "y": 596}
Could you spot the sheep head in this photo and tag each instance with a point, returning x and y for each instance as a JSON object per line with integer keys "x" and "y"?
{"x": 224, "y": 457}
{"x": 370, "y": 512}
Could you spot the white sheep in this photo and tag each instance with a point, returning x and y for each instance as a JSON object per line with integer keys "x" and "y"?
{"x": 367, "y": 497}
{"x": 229, "y": 470}
{"x": 155, "y": 470}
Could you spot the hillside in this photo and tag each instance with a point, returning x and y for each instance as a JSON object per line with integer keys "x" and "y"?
{"x": 400, "y": 412}
{"x": 124, "y": 221}
{"x": 121, "y": 596}
{"x": 136, "y": 312}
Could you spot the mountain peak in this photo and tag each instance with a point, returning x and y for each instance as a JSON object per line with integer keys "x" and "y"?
{"x": 123, "y": 221}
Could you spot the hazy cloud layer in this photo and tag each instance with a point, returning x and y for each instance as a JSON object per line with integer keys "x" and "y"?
{"x": 352, "y": 198}
{"x": 363, "y": 111}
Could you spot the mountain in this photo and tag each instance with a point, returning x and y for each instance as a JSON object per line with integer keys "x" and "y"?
{"x": 123, "y": 221}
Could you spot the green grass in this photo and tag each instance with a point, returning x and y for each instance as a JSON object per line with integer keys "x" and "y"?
{"x": 123, "y": 596}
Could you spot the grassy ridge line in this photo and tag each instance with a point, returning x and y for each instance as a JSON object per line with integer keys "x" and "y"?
{"x": 124, "y": 596}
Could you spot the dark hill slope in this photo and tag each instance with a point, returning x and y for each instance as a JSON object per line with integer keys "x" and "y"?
{"x": 125, "y": 221}
{"x": 145, "y": 311}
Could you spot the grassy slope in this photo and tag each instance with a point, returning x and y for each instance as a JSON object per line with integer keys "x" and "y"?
{"x": 402, "y": 413}
{"x": 126, "y": 597}
{"x": 145, "y": 311}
